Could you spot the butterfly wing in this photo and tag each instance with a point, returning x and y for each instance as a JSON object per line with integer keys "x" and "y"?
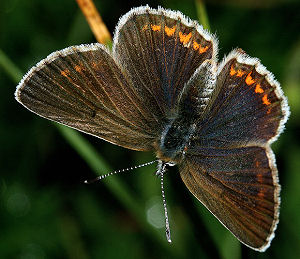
{"x": 160, "y": 50}
{"x": 229, "y": 165}
{"x": 82, "y": 87}
{"x": 240, "y": 187}
{"x": 247, "y": 106}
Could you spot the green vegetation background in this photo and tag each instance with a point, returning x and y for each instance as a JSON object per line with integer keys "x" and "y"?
{"x": 45, "y": 209}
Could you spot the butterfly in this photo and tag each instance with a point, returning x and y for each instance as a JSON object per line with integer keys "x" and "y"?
{"x": 162, "y": 89}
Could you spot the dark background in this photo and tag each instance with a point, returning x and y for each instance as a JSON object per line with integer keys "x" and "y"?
{"x": 45, "y": 209}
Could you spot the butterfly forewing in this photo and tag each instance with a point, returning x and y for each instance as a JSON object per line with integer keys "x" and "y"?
{"x": 82, "y": 87}
{"x": 246, "y": 107}
{"x": 160, "y": 50}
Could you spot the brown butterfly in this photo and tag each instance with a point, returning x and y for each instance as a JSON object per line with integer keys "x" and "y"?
{"x": 162, "y": 89}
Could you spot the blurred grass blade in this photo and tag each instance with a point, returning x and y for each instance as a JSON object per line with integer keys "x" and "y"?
{"x": 10, "y": 68}
{"x": 98, "y": 164}
{"x": 228, "y": 246}
{"x": 202, "y": 14}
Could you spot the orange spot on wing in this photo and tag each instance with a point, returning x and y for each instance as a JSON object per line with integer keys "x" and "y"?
{"x": 266, "y": 100}
{"x": 196, "y": 45}
{"x": 145, "y": 27}
{"x": 258, "y": 89}
{"x": 170, "y": 31}
{"x": 260, "y": 178}
{"x": 65, "y": 72}
{"x": 203, "y": 49}
{"x": 155, "y": 27}
{"x": 184, "y": 38}
{"x": 261, "y": 194}
{"x": 240, "y": 73}
{"x": 249, "y": 80}
{"x": 269, "y": 111}
{"x": 78, "y": 68}
{"x": 232, "y": 71}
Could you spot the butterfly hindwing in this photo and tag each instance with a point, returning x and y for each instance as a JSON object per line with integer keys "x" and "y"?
{"x": 240, "y": 187}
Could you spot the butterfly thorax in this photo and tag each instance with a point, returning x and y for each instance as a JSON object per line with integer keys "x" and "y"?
{"x": 174, "y": 140}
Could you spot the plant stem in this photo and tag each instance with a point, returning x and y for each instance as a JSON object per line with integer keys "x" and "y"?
{"x": 202, "y": 14}
{"x": 11, "y": 69}
{"x": 95, "y": 21}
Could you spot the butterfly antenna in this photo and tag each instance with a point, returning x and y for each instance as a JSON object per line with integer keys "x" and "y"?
{"x": 162, "y": 172}
{"x": 100, "y": 177}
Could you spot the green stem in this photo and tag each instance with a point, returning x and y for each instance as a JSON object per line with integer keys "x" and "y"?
{"x": 98, "y": 164}
{"x": 10, "y": 68}
{"x": 202, "y": 14}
